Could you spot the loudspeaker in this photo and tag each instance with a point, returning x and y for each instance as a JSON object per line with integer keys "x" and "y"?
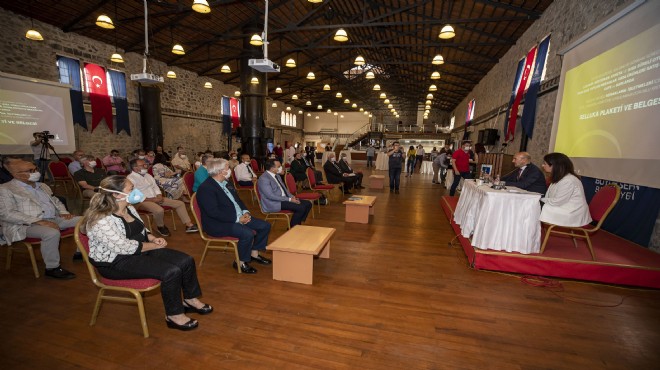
{"x": 488, "y": 136}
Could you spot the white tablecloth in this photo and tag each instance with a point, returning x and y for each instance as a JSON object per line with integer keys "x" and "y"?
{"x": 427, "y": 167}
{"x": 382, "y": 162}
{"x": 500, "y": 219}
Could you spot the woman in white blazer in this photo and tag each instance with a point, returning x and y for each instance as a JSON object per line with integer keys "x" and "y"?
{"x": 564, "y": 202}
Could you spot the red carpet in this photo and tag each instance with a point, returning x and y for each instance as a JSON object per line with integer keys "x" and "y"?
{"x": 618, "y": 261}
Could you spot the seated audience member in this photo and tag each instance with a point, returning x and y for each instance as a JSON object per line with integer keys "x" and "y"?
{"x": 75, "y": 165}
{"x": 526, "y": 176}
{"x": 318, "y": 175}
{"x": 298, "y": 168}
{"x": 244, "y": 173}
{"x": 224, "y": 214}
{"x": 346, "y": 168}
{"x": 28, "y": 209}
{"x": 162, "y": 156}
{"x": 180, "y": 160}
{"x": 89, "y": 177}
{"x": 335, "y": 175}
{"x": 139, "y": 154}
{"x": 170, "y": 181}
{"x": 150, "y": 157}
{"x": 565, "y": 203}
{"x": 121, "y": 248}
{"x": 233, "y": 159}
{"x": 114, "y": 164}
{"x": 5, "y": 176}
{"x": 276, "y": 197}
{"x": 144, "y": 182}
{"x": 198, "y": 162}
{"x": 201, "y": 174}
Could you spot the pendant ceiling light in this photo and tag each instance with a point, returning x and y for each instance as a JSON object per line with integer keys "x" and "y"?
{"x": 254, "y": 81}
{"x": 237, "y": 93}
{"x": 278, "y": 90}
{"x": 366, "y": 113}
{"x": 329, "y": 111}
{"x": 354, "y": 105}
{"x": 294, "y": 97}
{"x": 447, "y": 32}
{"x": 438, "y": 59}
{"x": 336, "y": 114}
{"x": 376, "y": 87}
{"x": 225, "y": 69}
{"x": 370, "y": 75}
{"x": 291, "y": 63}
{"x": 341, "y": 35}
{"x": 117, "y": 58}
{"x": 319, "y": 106}
{"x": 317, "y": 117}
{"x": 346, "y": 101}
{"x": 34, "y": 35}
{"x": 435, "y": 75}
{"x": 383, "y": 96}
{"x": 361, "y": 109}
{"x": 392, "y": 110}
{"x": 315, "y": 1}
{"x": 208, "y": 85}
{"x": 288, "y": 109}
{"x": 104, "y": 21}
{"x": 171, "y": 74}
{"x": 433, "y": 88}
{"x": 427, "y": 107}
{"x": 428, "y": 102}
{"x": 326, "y": 87}
{"x": 359, "y": 61}
{"x": 390, "y": 106}
{"x": 178, "y": 49}
{"x": 308, "y": 103}
{"x": 256, "y": 40}
{"x": 386, "y": 101}
{"x": 201, "y": 6}
{"x": 309, "y": 114}
{"x": 300, "y": 112}
{"x": 339, "y": 95}
{"x": 310, "y": 75}
{"x": 429, "y": 96}
{"x": 274, "y": 105}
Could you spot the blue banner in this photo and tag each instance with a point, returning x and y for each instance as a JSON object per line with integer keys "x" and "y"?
{"x": 529, "y": 112}
{"x": 226, "y": 116}
{"x": 516, "y": 81}
{"x": 634, "y": 216}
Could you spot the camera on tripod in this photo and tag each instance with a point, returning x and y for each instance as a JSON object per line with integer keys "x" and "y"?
{"x": 44, "y": 135}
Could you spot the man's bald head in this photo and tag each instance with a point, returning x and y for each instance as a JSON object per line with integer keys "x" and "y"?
{"x": 521, "y": 159}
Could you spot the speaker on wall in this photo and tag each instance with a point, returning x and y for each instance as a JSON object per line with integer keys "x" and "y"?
{"x": 488, "y": 136}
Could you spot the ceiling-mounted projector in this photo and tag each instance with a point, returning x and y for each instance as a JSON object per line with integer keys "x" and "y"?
{"x": 147, "y": 78}
{"x": 264, "y": 65}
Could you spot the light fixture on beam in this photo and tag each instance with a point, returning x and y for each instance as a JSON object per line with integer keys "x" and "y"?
{"x": 104, "y": 21}
{"x": 329, "y": 110}
{"x": 178, "y": 49}
{"x": 347, "y": 101}
{"x": 117, "y": 58}
{"x": 278, "y": 90}
{"x": 300, "y": 112}
{"x": 336, "y": 114}
{"x": 309, "y": 114}
{"x": 315, "y": 1}
{"x": 274, "y": 105}
{"x": 354, "y": 105}
{"x": 254, "y": 81}
{"x": 438, "y": 59}
{"x": 435, "y": 75}
{"x": 383, "y": 96}
{"x": 237, "y": 93}
{"x": 447, "y": 32}
{"x": 341, "y": 35}
{"x": 310, "y": 75}
{"x": 201, "y": 6}
{"x": 308, "y": 103}
{"x": 428, "y": 102}
{"x": 256, "y": 40}
{"x": 326, "y": 87}
{"x": 429, "y": 96}
{"x": 361, "y": 109}
{"x": 225, "y": 69}
{"x": 294, "y": 97}
{"x": 317, "y": 117}
{"x": 376, "y": 87}
{"x": 390, "y": 106}
{"x": 34, "y": 35}
{"x": 370, "y": 75}
{"x": 433, "y": 88}
{"x": 208, "y": 85}
{"x": 386, "y": 101}
{"x": 288, "y": 109}
{"x": 319, "y": 107}
{"x": 338, "y": 95}
{"x": 359, "y": 61}
{"x": 171, "y": 74}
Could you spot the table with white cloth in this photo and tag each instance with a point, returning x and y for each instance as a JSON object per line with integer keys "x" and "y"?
{"x": 382, "y": 162}
{"x": 506, "y": 220}
{"x": 427, "y": 167}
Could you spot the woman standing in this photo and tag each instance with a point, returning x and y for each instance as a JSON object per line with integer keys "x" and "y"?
{"x": 565, "y": 203}
{"x": 121, "y": 248}
{"x": 410, "y": 165}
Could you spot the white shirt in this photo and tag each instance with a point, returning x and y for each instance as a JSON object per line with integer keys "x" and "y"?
{"x": 146, "y": 184}
{"x": 565, "y": 203}
{"x": 420, "y": 151}
{"x": 244, "y": 172}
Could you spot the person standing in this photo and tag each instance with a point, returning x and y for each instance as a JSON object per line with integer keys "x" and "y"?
{"x": 419, "y": 158}
{"x": 371, "y": 152}
{"x": 395, "y": 164}
{"x": 460, "y": 162}
{"x": 410, "y": 165}
{"x": 439, "y": 166}
{"x": 41, "y": 151}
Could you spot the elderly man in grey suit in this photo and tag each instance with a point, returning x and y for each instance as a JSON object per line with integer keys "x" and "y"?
{"x": 28, "y": 209}
{"x": 276, "y": 197}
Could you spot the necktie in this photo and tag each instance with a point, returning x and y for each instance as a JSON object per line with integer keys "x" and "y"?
{"x": 249, "y": 168}
{"x": 520, "y": 170}
{"x": 279, "y": 183}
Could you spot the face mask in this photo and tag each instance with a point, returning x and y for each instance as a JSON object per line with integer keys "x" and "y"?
{"x": 144, "y": 171}
{"x": 92, "y": 164}
{"x": 332, "y": 159}
{"x": 343, "y": 158}
{"x": 183, "y": 156}
{"x": 279, "y": 169}
{"x": 234, "y": 157}
{"x": 34, "y": 176}
{"x": 228, "y": 175}
{"x": 134, "y": 197}
{"x": 140, "y": 157}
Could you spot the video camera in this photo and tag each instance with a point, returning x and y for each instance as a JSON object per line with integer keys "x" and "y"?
{"x": 44, "y": 135}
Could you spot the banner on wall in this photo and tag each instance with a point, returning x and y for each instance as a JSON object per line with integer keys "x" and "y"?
{"x": 235, "y": 112}
{"x": 633, "y": 218}
{"x": 514, "y": 90}
{"x": 529, "y": 111}
{"x": 98, "y": 95}
{"x": 513, "y": 116}
{"x": 226, "y": 117}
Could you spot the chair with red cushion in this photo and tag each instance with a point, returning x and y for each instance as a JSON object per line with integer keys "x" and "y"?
{"x": 239, "y": 187}
{"x": 284, "y": 215}
{"x": 321, "y": 188}
{"x": 59, "y": 173}
{"x": 600, "y": 207}
{"x": 226, "y": 242}
{"x": 29, "y": 244}
{"x": 66, "y": 160}
{"x": 100, "y": 164}
{"x": 189, "y": 181}
{"x": 134, "y": 287}
{"x": 293, "y": 189}
{"x": 148, "y": 216}
{"x": 255, "y": 166}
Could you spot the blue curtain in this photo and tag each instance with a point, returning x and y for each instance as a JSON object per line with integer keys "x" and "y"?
{"x": 118, "y": 81}
{"x": 72, "y": 67}
{"x": 226, "y": 116}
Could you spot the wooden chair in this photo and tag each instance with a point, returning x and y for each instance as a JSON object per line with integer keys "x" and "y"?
{"x": 29, "y": 244}
{"x": 239, "y": 187}
{"x": 281, "y": 215}
{"x": 226, "y": 242}
{"x": 59, "y": 173}
{"x": 189, "y": 181}
{"x": 134, "y": 287}
{"x": 255, "y": 167}
{"x": 600, "y": 207}
{"x": 79, "y": 194}
{"x": 318, "y": 188}
{"x": 293, "y": 189}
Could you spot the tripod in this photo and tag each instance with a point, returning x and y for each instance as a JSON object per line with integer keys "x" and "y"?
{"x": 44, "y": 158}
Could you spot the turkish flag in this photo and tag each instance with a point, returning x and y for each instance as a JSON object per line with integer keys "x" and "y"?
{"x": 529, "y": 62}
{"x": 235, "y": 117}
{"x": 97, "y": 85}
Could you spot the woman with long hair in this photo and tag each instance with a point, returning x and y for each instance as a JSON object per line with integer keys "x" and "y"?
{"x": 120, "y": 247}
{"x": 564, "y": 202}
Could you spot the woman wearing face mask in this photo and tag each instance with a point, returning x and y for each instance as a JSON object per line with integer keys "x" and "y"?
{"x": 233, "y": 160}
{"x": 121, "y": 248}
{"x": 169, "y": 180}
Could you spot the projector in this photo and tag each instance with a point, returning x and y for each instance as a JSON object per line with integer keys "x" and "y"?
{"x": 146, "y": 78}
{"x": 264, "y": 65}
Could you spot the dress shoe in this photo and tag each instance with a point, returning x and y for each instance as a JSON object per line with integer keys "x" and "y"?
{"x": 163, "y": 231}
{"x": 361, "y": 187}
{"x": 245, "y": 268}
{"x": 77, "y": 256}
{"x": 207, "y": 309}
{"x": 261, "y": 260}
{"x": 59, "y": 273}
{"x": 192, "y": 229}
{"x": 190, "y": 325}
{"x": 347, "y": 192}
{"x": 396, "y": 191}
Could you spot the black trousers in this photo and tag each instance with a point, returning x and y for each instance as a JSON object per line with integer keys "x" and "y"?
{"x": 395, "y": 177}
{"x": 246, "y": 183}
{"x": 300, "y": 211}
{"x": 358, "y": 182}
{"x": 349, "y": 182}
{"x": 175, "y": 270}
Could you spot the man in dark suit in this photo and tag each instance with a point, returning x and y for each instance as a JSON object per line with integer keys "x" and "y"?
{"x": 526, "y": 176}
{"x": 224, "y": 214}
{"x": 346, "y": 168}
{"x": 318, "y": 176}
{"x": 335, "y": 175}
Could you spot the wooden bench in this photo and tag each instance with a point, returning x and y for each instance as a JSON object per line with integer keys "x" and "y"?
{"x": 359, "y": 210}
{"x": 293, "y": 252}
{"x": 376, "y": 181}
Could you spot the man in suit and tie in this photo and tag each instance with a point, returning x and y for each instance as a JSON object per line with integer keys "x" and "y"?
{"x": 244, "y": 173}
{"x": 336, "y": 176}
{"x": 28, "y": 209}
{"x": 276, "y": 197}
{"x": 346, "y": 168}
{"x": 224, "y": 214}
{"x": 526, "y": 176}
{"x": 318, "y": 176}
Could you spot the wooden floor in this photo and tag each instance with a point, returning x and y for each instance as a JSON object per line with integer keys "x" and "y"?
{"x": 393, "y": 295}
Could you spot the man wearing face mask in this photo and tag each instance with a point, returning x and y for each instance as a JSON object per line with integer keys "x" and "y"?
{"x": 276, "y": 197}
{"x": 90, "y": 177}
{"x": 244, "y": 173}
{"x": 113, "y": 163}
{"x": 460, "y": 162}
{"x": 28, "y": 209}
{"x": 224, "y": 214}
{"x": 346, "y": 168}
{"x": 335, "y": 175}
{"x": 154, "y": 199}
{"x": 180, "y": 160}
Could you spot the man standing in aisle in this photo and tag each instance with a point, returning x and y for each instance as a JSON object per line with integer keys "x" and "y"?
{"x": 460, "y": 162}
{"x": 371, "y": 152}
{"x": 396, "y": 158}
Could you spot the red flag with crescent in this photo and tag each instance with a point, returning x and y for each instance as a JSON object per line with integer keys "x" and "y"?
{"x": 97, "y": 86}
{"x": 529, "y": 62}
{"x": 235, "y": 116}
